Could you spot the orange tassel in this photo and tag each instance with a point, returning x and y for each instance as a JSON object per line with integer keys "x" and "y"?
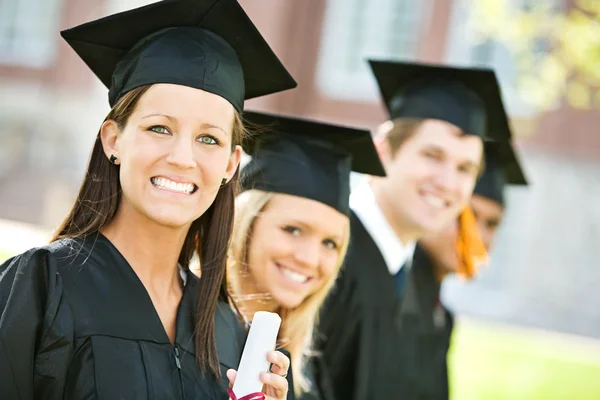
{"x": 471, "y": 252}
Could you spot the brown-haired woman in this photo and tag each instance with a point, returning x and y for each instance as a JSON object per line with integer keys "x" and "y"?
{"x": 109, "y": 309}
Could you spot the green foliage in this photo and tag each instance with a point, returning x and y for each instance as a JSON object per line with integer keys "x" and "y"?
{"x": 567, "y": 67}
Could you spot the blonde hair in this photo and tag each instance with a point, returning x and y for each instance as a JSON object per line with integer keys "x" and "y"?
{"x": 298, "y": 324}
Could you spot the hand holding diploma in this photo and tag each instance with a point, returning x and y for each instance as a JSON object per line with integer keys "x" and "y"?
{"x": 275, "y": 383}
{"x": 258, "y": 353}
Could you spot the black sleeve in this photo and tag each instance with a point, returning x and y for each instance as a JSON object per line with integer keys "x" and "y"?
{"x": 29, "y": 299}
{"x": 339, "y": 336}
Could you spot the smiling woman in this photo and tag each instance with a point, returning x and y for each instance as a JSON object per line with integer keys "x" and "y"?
{"x": 109, "y": 309}
{"x": 295, "y": 249}
{"x": 177, "y": 148}
{"x": 292, "y": 229}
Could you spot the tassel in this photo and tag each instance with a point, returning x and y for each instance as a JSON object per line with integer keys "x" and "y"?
{"x": 471, "y": 252}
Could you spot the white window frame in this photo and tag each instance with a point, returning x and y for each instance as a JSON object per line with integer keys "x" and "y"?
{"x": 29, "y": 32}
{"x": 349, "y": 22}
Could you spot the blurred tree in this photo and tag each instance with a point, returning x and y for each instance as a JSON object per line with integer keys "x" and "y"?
{"x": 557, "y": 52}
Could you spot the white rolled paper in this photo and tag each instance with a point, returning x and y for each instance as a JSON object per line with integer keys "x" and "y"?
{"x": 262, "y": 338}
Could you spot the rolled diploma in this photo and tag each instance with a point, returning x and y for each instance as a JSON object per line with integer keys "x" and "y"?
{"x": 262, "y": 338}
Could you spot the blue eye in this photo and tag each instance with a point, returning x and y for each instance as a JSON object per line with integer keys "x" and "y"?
{"x": 159, "y": 129}
{"x": 207, "y": 139}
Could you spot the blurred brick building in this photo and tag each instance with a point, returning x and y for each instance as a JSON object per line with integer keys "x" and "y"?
{"x": 545, "y": 270}
{"x": 51, "y": 107}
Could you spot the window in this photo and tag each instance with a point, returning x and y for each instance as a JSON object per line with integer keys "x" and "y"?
{"x": 463, "y": 49}
{"x": 28, "y": 32}
{"x": 355, "y": 30}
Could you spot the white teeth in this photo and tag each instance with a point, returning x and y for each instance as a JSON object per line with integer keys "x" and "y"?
{"x": 434, "y": 201}
{"x": 296, "y": 277}
{"x": 167, "y": 184}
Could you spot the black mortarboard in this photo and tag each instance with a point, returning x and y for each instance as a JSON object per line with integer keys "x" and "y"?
{"x": 469, "y": 98}
{"x": 502, "y": 168}
{"x": 205, "y": 44}
{"x": 308, "y": 158}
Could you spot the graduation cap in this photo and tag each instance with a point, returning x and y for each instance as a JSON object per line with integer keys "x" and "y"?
{"x": 502, "y": 168}
{"x": 469, "y": 98}
{"x": 205, "y": 44}
{"x": 308, "y": 158}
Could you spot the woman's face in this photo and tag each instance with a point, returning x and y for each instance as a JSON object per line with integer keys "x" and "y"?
{"x": 441, "y": 246}
{"x": 173, "y": 153}
{"x": 295, "y": 248}
{"x": 489, "y": 215}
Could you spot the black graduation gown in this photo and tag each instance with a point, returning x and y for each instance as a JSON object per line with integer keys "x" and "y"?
{"x": 425, "y": 331}
{"x": 317, "y": 373}
{"x": 358, "y": 324}
{"x": 77, "y": 323}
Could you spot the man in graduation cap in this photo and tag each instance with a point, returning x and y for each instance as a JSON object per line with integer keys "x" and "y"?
{"x": 432, "y": 150}
{"x": 425, "y": 324}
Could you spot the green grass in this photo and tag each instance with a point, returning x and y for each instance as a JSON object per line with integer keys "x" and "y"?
{"x": 489, "y": 362}
{"x": 4, "y": 255}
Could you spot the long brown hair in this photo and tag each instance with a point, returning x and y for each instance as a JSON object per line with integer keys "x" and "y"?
{"x": 208, "y": 237}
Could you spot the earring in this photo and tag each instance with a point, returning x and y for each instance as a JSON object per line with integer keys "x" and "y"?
{"x": 113, "y": 159}
{"x": 224, "y": 181}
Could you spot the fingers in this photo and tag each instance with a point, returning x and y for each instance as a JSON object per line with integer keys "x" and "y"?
{"x": 275, "y": 380}
{"x": 231, "y": 374}
{"x": 280, "y": 363}
{"x": 277, "y": 384}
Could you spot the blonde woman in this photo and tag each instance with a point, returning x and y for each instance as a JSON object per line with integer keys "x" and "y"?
{"x": 292, "y": 229}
